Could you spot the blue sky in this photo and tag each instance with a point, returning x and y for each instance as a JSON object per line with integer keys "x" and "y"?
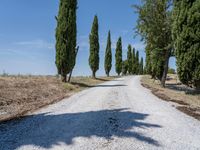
{"x": 27, "y": 34}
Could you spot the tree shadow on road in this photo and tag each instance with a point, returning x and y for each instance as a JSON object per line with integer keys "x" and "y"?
{"x": 108, "y": 85}
{"x": 100, "y": 85}
{"x": 47, "y": 130}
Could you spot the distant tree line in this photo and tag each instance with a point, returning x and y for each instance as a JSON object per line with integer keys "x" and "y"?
{"x": 171, "y": 28}
{"x": 132, "y": 65}
{"x": 67, "y": 49}
{"x": 122, "y": 67}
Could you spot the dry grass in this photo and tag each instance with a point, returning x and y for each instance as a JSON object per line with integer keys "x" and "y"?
{"x": 187, "y": 98}
{"x": 22, "y": 94}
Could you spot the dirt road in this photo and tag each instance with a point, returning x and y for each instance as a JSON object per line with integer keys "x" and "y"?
{"x": 116, "y": 115}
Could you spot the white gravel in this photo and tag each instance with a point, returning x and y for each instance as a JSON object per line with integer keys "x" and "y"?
{"x": 116, "y": 115}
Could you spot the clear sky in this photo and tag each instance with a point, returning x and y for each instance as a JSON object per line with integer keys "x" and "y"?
{"x": 27, "y": 34}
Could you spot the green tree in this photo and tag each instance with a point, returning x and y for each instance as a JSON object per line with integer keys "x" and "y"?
{"x": 171, "y": 71}
{"x": 94, "y": 47}
{"x": 118, "y": 57}
{"x": 108, "y": 55}
{"x": 148, "y": 67}
{"x": 141, "y": 72}
{"x": 129, "y": 59}
{"x": 66, "y": 33}
{"x": 186, "y": 37}
{"x": 125, "y": 67}
{"x": 133, "y": 62}
{"x": 154, "y": 25}
{"x": 137, "y": 63}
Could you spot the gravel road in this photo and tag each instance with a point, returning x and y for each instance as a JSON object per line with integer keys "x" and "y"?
{"x": 116, "y": 115}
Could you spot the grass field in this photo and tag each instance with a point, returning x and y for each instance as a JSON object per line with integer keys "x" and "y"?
{"x": 22, "y": 94}
{"x": 187, "y": 99}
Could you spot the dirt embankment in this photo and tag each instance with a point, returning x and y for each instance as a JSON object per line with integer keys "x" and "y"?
{"x": 22, "y": 94}
{"x": 187, "y": 99}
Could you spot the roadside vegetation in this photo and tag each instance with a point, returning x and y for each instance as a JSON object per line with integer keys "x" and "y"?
{"x": 22, "y": 94}
{"x": 171, "y": 28}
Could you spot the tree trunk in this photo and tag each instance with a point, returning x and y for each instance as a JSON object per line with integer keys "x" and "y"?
{"x": 70, "y": 75}
{"x": 166, "y": 66}
{"x": 64, "y": 78}
{"x": 153, "y": 76}
{"x": 93, "y": 75}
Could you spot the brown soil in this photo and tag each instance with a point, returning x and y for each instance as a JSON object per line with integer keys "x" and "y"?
{"x": 22, "y": 94}
{"x": 194, "y": 112}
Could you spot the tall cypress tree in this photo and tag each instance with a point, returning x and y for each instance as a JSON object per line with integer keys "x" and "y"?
{"x": 137, "y": 61}
{"x": 133, "y": 62}
{"x": 148, "y": 67}
{"x": 108, "y": 55}
{"x": 94, "y": 47}
{"x": 118, "y": 57}
{"x": 125, "y": 67}
{"x": 186, "y": 36}
{"x": 154, "y": 25}
{"x": 141, "y": 72}
{"x": 66, "y": 37}
{"x": 129, "y": 59}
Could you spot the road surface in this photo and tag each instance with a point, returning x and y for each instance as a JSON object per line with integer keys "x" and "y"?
{"x": 116, "y": 115}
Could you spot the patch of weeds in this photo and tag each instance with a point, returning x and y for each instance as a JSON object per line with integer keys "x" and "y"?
{"x": 69, "y": 86}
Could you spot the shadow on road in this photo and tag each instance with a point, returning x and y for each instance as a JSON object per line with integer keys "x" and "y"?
{"x": 115, "y": 85}
{"x": 47, "y": 130}
{"x": 90, "y": 86}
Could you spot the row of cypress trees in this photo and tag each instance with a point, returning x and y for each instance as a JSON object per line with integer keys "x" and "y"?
{"x": 171, "y": 28}
{"x": 130, "y": 66}
{"x": 135, "y": 65}
{"x": 66, "y": 48}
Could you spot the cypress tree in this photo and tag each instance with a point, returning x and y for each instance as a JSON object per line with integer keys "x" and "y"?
{"x": 133, "y": 62}
{"x": 118, "y": 57}
{"x": 66, "y": 37}
{"x": 148, "y": 67}
{"x": 125, "y": 67}
{"x": 157, "y": 63}
{"x": 154, "y": 25}
{"x": 108, "y": 55}
{"x": 137, "y": 63}
{"x": 145, "y": 70}
{"x": 186, "y": 37}
{"x": 141, "y": 72}
{"x": 94, "y": 47}
{"x": 129, "y": 60}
